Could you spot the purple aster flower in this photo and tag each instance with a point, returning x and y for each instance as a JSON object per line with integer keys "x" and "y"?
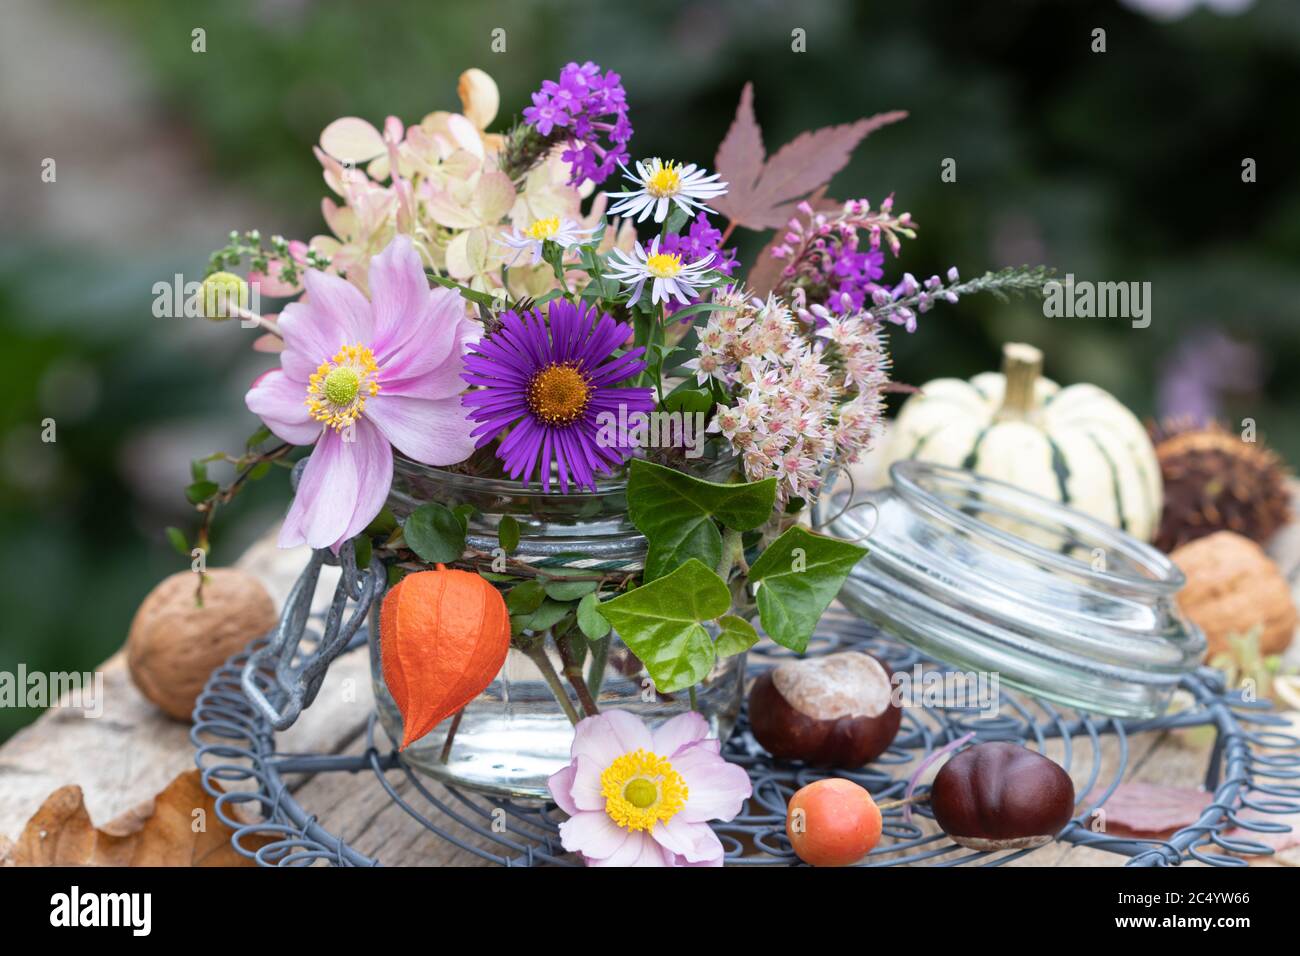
{"x": 555, "y": 390}
{"x": 587, "y": 111}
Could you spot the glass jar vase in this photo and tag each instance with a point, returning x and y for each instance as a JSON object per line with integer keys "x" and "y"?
{"x": 517, "y": 732}
{"x": 985, "y": 576}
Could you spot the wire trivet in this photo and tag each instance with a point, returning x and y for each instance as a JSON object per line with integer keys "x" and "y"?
{"x": 1253, "y": 772}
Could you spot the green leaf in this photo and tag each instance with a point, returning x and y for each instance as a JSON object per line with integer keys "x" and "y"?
{"x": 385, "y": 522}
{"x": 259, "y": 436}
{"x": 508, "y": 533}
{"x": 259, "y": 471}
{"x": 462, "y": 513}
{"x": 677, "y": 219}
{"x": 201, "y": 491}
{"x": 800, "y": 574}
{"x": 434, "y": 533}
{"x": 663, "y": 623}
{"x": 363, "y": 551}
{"x": 688, "y": 400}
{"x": 525, "y": 598}
{"x": 473, "y": 295}
{"x": 177, "y": 538}
{"x": 569, "y": 590}
{"x": 590, "y": 620}
{"x": 736, "y": 636}
{"x": 544, "y": 618}
{"x": 199, "y": 470}
{"x": 676, "y": 513}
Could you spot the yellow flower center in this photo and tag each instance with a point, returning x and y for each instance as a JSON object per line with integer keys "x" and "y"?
{"x": 543, "y": 228}
{"x": 666, "y": 180}
{"x": 559, "y": 394}
{"x": 664, "y": 265}
{"x": 338, "y": 389}
{"x": 642, "y": 789}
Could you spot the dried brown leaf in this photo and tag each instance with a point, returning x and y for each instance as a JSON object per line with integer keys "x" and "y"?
{"x": 158, "y": 832}
{"x": 762, "y": 193}
{"x": 765, "y": 275}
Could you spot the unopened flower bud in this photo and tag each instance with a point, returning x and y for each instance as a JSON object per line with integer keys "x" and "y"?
{"x": 224, "y": 295}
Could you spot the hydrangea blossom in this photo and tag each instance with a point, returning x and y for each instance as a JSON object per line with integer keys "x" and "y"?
{"x": 587, "y": 110}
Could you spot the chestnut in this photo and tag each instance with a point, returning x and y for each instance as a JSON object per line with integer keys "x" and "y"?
{"x": 836, "y": 711}
{"x": 1001, "y": 796}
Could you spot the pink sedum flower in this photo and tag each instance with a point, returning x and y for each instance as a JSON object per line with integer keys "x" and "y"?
{"x": 637, "y": 797}
{"x": 358, "y": 378}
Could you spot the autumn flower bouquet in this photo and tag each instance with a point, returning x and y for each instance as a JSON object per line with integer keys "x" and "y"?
{"x": 544, "y": 398}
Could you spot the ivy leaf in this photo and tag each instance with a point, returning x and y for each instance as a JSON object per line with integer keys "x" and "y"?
{"x": 800, "y": 574}
{"x": 508, "y": 534}
{"x": 590, "y": 620}
{"x": 736, "y": 636}
{"x": 763, "y": 192}
{"x": 676, "y": 513}
{"x": 663, "y": 623}
{"x": 434, "y": 533}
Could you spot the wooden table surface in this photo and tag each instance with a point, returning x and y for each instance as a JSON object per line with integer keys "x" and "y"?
{"x": 132, "y": 751}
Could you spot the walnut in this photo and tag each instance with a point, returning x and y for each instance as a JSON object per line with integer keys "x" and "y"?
{"x": 1233, "y": 587}
{"x": 174, "y": 644}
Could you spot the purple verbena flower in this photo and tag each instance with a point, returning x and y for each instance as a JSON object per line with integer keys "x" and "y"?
{"x": 587, "y": 111}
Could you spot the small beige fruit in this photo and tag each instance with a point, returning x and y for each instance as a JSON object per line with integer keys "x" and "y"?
{"x": 175, "y": 644}
{"x": 1232, "y": 588}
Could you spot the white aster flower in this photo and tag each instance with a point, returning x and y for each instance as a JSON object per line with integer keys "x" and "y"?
{"x": 661, "y": 184}
{"x": 673, "y": 279}
{"x": 563, "y": 232}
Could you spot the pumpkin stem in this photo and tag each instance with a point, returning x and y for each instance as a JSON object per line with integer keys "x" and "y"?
{"x": 1021, "y": 366}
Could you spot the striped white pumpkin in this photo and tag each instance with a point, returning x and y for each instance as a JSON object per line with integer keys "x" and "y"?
{"x": 1076, "y": 445}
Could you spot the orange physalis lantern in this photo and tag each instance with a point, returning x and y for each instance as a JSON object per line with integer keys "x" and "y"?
{"x": 443, "y": 636}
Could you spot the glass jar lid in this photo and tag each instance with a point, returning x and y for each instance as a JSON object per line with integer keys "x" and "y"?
{"x": 985, "y": 576}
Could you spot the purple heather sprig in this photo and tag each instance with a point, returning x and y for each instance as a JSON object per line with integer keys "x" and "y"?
{"x": 826, "y": 257}
{"x": 586, "y": 110}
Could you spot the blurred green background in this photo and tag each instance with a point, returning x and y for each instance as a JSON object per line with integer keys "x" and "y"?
{"x": 1123, "y": 165}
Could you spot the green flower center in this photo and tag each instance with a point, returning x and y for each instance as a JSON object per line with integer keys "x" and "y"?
{"x": 640, "y": 792}
{"x": 342, "y": 385}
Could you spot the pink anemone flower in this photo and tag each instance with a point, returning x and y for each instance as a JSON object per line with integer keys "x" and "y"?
{"x": 637, "y": 797}
{"x": 359, "y": 378}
